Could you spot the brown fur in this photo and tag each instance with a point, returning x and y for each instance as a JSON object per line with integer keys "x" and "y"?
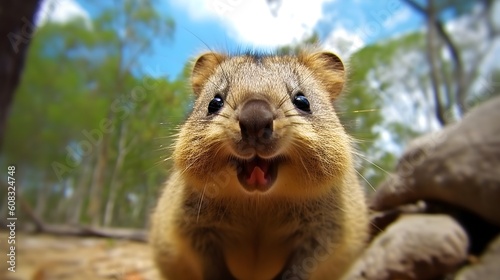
{"x": 310, "y": 224}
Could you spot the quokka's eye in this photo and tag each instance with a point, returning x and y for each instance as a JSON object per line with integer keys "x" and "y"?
{"x": 301, "y": 102}
{"x": 215, "y": 104}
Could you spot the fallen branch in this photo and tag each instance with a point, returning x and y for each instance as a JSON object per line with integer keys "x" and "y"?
{"x": 83, "y": 231}
{"x": 116, "y": 233}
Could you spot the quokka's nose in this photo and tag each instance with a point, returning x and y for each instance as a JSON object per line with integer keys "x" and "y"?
{"x": 256, "y": 121}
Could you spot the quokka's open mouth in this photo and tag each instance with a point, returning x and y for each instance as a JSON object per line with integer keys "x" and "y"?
{"x": 257, "y": 174}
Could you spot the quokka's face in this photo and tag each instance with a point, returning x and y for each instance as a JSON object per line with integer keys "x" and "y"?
{"x": 265, "y": 124}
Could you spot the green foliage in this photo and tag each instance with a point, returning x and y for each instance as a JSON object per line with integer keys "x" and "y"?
{"x": 79, "y": 76}
{"x": 359, "y": 109}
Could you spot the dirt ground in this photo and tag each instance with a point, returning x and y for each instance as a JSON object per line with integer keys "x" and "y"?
{"x": 46, "y": 257}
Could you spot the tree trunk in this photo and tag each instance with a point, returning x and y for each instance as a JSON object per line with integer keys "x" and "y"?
{"x": 462, "y": 79}
{"x": 79, "y": 193}
{"x": 16, "y": 30}
{"x": 94, "y": 210}
{"x": 458, "y": 69}
{"x": 65, "y": 202}
{"x": 42, "y": 196}
{"x": 432, "y": 58}
{"x": 115, "y": 182}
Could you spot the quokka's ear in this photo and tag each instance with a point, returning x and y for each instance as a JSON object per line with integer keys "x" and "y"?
{"x": 204, "y": 67}
{"x": 328, "y": 68}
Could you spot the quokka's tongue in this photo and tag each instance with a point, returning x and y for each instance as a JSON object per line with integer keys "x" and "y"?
{"x": 257, "y": 177}
{"x": 256, "y": 172}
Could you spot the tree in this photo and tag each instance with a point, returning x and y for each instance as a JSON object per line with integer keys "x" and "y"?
{"x": 16, "y": 29}
{"x": 87, "y": 141}
{"x": 136, "y": 23}
{"x": 451, "y": 86}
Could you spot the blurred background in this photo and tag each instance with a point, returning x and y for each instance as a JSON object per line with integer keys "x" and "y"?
{"x": 106, "y": 83}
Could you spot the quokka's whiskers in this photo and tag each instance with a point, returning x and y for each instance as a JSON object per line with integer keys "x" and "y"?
{"x": 291, "y": 124}
{"x": 224, "y": 116}
{"x": 297, "y": 145}
{"x": 358, "y": 140}
{"x": 292, "y": 115}
{"x": 371, "y": 162}
{"x": 371, "y": 186}
{"x": 200, "y": 203}
{"x": 301, "y": 82}
{"x": 282, "y": 101}
{"x": 288, "y": 111}
{"x": 358, "y": 111}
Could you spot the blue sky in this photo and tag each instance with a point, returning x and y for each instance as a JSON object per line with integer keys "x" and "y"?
{"x": 357, "y": 22}
{"x": 343, "y": 26}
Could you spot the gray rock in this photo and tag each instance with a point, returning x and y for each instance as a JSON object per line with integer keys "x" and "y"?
{"x": 459, "y": 165}
{"x": 416, "y": 246}
{"x": 488, "y": 266}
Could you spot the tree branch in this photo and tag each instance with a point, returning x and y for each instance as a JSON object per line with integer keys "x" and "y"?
{"x": 118, "y": 233}
{"x": 432, "y": 58}
{"x": 458, "y": 71}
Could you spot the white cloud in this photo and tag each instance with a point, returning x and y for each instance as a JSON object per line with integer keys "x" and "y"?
{"x": 400, "y": 16}
{"x": 252, "y": 22}
{"x": 343, "y": 42}
{"x": 197, "y": 9}
{"x": 60, "y": 11}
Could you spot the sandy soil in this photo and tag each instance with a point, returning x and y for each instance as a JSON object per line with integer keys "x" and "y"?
{"x": 55, "y": 258}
